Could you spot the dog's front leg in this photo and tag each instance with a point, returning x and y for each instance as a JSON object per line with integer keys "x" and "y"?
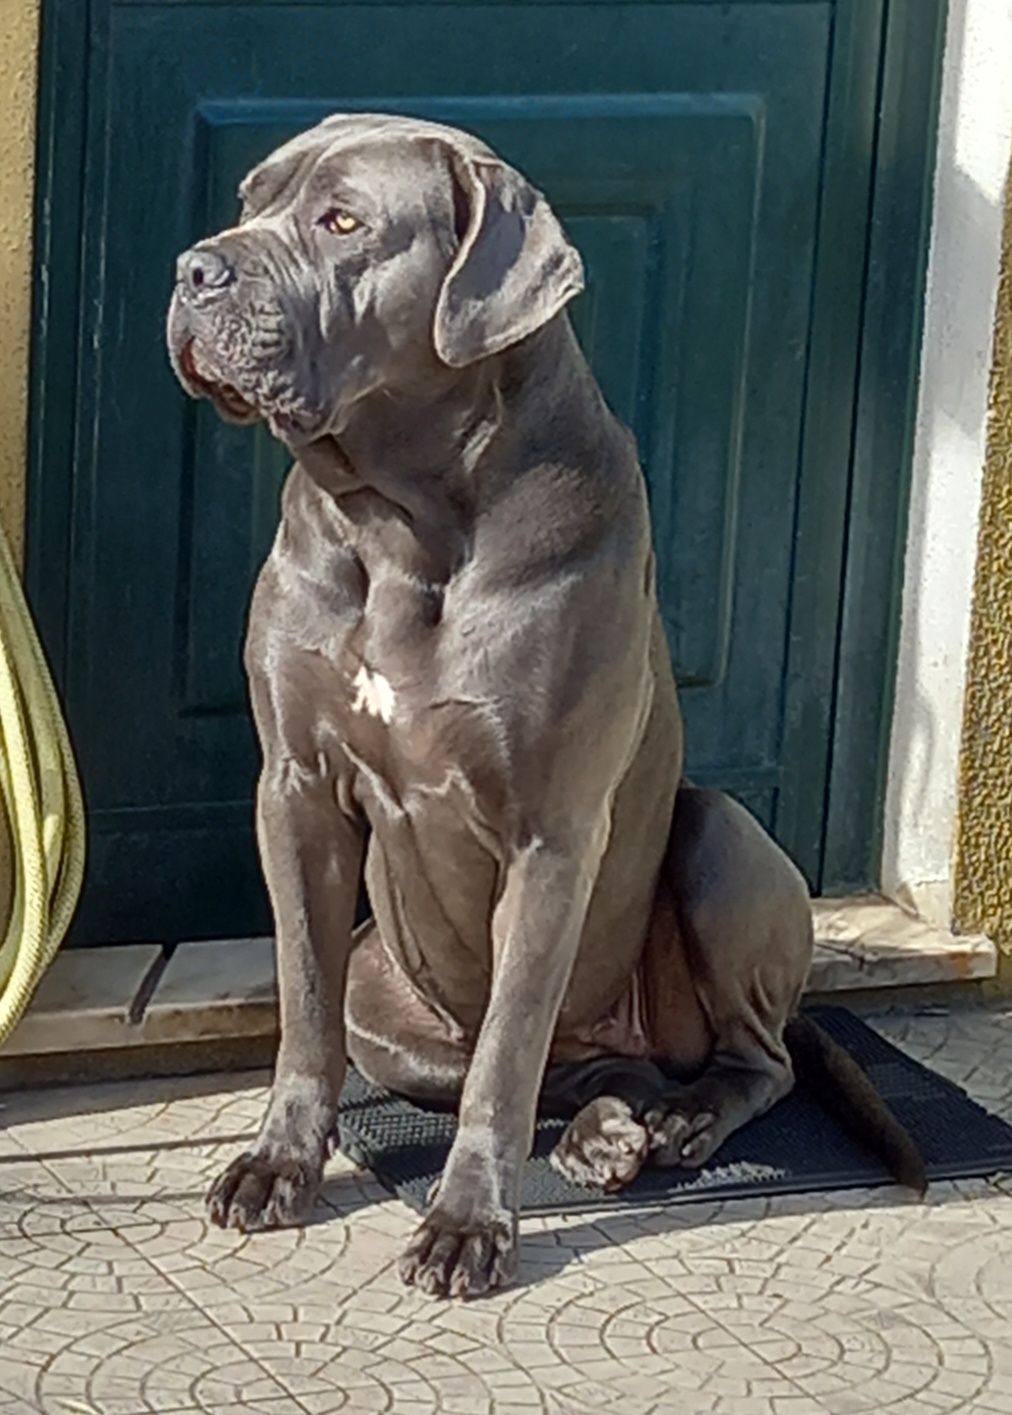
{"x": 311, "y": 852}
{"x": 467, "y": 1242}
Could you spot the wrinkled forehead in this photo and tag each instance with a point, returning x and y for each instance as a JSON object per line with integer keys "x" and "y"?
{"x": 361, "y": 147}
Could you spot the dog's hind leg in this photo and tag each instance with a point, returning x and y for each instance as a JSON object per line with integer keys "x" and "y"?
{"x": 722, "y": 971}
{"x": 744, "y": 931}
{"x": 394, "y": 1039}
{"x": 744, "y": 926}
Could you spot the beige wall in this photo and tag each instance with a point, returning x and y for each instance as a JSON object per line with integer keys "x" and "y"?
{"x": 18, "y": 40}
{"x": 984, "y": 839}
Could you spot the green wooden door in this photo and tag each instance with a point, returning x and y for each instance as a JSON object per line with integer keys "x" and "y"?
{"x": 713, "y": 162}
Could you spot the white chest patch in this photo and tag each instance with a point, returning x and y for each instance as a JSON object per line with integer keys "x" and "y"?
{"x": 373, "y": 694}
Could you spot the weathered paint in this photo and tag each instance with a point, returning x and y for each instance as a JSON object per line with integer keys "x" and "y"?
{"x": 19, "y": 20}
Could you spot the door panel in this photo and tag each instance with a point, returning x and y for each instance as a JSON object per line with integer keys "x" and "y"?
{"x": 683, "y": 145}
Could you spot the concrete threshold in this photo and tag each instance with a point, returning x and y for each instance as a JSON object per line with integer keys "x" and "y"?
{"x": 134, "y": 998}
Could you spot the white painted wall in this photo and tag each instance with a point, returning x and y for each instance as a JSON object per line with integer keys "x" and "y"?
{"x": 974, "y": 145}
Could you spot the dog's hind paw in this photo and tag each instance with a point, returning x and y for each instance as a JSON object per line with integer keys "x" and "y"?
{"x": 684, "y": 1137}
{"x": 603, "y": 1147}
{"x": 262, "y": 1191}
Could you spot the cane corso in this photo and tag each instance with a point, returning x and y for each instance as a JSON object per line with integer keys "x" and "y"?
{"x": 462, "y": 687}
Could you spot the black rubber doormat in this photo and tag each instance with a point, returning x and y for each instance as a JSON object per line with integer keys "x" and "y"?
{"x": 795, "y": 1148}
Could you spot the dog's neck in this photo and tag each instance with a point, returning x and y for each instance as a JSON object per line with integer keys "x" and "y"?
{"x": 415, "y": 467}
{"x": 410, "y": 444}
{"x": 434, "y": 434}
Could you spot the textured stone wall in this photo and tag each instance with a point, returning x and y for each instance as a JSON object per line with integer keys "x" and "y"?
{"x": 18, "y": 45}
{"x": 983, "y": 882}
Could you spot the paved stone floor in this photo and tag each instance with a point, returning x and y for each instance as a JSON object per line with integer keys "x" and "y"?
{"x": 117, "y": 1298}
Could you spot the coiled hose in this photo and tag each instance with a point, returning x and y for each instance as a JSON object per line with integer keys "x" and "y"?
{"x": 42, "y": 828}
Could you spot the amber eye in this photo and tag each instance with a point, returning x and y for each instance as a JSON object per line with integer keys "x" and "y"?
{"x": 338, "y": 222}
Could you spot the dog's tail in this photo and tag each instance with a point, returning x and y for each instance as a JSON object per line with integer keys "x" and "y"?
{"x": 849, "y": 1096}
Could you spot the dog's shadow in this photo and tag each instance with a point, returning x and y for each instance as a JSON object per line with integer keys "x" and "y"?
{"x": 550, "y": 1251}
{"x": 552, "y": 1244}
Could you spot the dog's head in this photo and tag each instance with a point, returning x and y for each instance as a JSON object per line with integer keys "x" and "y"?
{"x": 368, "y": 251}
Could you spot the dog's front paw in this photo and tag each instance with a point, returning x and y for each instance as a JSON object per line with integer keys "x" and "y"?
{"x": 460, "y": 1251}
{"x": 603, "y": 1147}
{"x": 263, "y": 1191}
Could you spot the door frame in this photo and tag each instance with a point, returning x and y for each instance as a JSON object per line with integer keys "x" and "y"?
{"x": 871, "y": 430}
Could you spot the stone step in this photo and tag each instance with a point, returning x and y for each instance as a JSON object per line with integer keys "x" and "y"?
{"x": 137, "y": 995}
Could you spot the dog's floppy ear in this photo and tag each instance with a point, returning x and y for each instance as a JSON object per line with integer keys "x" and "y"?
{"x": 514, "y": 268}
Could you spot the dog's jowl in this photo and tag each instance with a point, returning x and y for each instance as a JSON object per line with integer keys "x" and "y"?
{"x": 455, "y": 654}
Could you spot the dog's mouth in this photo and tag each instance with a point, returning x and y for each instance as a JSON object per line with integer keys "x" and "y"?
{"x": 225, "y": 396}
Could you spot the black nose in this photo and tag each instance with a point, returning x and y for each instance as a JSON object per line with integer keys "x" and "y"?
{"x": 204, "y": 268}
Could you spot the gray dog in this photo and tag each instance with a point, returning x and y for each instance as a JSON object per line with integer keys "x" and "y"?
{"x": 461, "y": 683}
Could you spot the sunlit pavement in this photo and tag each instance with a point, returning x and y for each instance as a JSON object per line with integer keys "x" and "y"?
{"x": 117, "y": 1297}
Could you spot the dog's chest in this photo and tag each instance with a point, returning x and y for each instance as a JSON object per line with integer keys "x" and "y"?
{"x": 413, "y": 715}
{"x": 387, "y": 680}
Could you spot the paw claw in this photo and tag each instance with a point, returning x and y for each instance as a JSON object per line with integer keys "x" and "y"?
{"x": 683, "y": 1137}
{"x": 449, "y": 1257}
{"x": 261, "y": 1191}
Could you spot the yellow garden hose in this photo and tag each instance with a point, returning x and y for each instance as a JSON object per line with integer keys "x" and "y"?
{"x": 42, "y": 818}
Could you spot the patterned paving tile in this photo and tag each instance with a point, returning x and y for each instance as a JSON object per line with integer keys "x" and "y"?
{"x": 117, "y": 1297}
